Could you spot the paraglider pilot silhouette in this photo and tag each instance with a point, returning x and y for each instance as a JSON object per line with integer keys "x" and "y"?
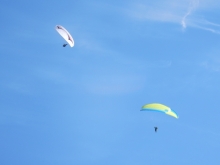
{"x": 155, "y": 129}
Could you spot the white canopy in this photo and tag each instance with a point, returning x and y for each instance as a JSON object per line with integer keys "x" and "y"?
{"x": 65, "y": 34}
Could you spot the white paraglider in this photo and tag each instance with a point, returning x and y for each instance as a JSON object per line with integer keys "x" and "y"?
{"x": 66, "y": 35}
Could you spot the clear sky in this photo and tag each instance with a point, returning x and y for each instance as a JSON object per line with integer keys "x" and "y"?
{"x": 81, "y": 105}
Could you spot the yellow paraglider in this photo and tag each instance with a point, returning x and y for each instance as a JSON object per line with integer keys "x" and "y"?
{"x": 159, "y": 108}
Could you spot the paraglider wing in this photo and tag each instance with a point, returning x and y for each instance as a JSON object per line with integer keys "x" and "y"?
{"x": 159, "y": 108}
{"x": 65, "y": 34}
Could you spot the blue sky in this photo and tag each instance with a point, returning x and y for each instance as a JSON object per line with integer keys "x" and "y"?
{"x": 81, "y": 105}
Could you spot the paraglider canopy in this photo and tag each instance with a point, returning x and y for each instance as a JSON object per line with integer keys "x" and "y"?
{"x": 159, "y": 108}
{"x": 65, "y": 34}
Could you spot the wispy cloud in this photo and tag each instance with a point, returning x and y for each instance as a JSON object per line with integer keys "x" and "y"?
{"x": 213, "y": 133}
{"x": 212, "y": 64}
{"x": 164, "y": 12}
{"x": 183, "y": 12}
{"x": 192, "y": 6}
{"x": 114, "y": 84}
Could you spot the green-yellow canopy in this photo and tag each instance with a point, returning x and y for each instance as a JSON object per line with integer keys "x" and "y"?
{"x": 159, "y": 108}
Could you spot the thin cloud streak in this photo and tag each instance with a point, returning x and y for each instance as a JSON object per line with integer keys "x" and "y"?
{"x": 206, "y": 25}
